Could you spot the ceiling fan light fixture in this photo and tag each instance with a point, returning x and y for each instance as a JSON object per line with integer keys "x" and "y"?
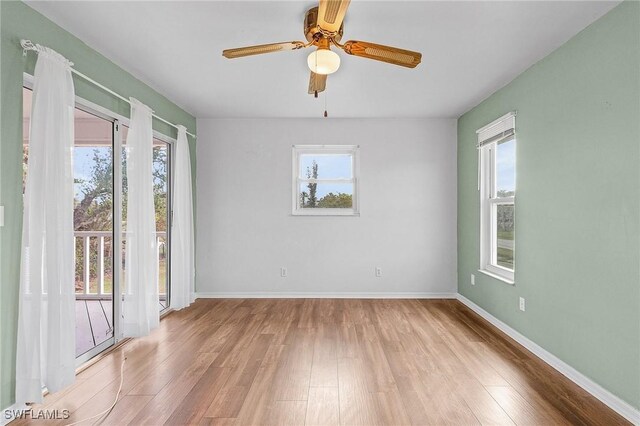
{"x": 323, "y": 61}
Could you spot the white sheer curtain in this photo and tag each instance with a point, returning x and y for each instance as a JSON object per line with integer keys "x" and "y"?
{"x": 46, "y": 313}
{"x": 140, "y": 305}
{"x": 182, "y": 244}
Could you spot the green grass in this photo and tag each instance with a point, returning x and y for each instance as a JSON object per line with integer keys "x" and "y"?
{"x": 505, "y": 257}
{"x": 505, "y": 235}
{"x": 108, "y": 281}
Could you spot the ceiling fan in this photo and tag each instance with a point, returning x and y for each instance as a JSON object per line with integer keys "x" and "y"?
{"x": 323, "y": 27}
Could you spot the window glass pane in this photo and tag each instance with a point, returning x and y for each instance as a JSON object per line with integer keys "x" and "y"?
{"x": 160, "y": 175}
{"x": 506, "y": 169}
{"x": 318, "y": 166}
{"x": 505, "y": 239}
{"x": 26, "y": 121}
{"x": 93, "y": 226}
{"x": 326, "y": 195}
{"x": 160, "y": 178}
{"x": 92, "y": 221}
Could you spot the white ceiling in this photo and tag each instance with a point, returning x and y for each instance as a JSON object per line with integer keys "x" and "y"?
{"x": 469, "y": 50}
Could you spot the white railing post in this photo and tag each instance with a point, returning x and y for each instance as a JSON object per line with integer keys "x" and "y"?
{"x": 101, "y": 264}
{"x": 158, "y": 257}
{"x": 75, "y": 259}
{"x": 161, "y": 242}
{"x": 87, "y": 264}
{"x": 86, "y": 237}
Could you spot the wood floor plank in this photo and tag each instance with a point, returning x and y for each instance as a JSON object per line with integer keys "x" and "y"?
{"x": 440, "y": 399}
{"x": 125, "y": 410}
{"x": 293, "y": 373}
{"x": 218, "y": 421}
{"x": 228, "y": 402}
{"x": 323, "y": 406}
{"x": 324, "y": 369}
{"x": 285, "y": 413}
{"x": 480, "y": 401}
{"x": 163, "y": 373}
{"x": 160, "y": 408}
{"x": 521, "y": 410}
{"x": 358, "y": 407}
{"x": 237, "y": 343}
{"x": 229, "y": 329}
{"x": 259, "y": 398}
{"x": 194, "y": 406}
{"x": 327, "y": 361}
{"x": 391, "y": 408}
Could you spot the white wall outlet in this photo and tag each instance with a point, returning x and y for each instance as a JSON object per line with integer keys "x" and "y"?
{"x": 283, "y": 272}
{"x": 522, "y": 306}
{"x": 378, "y": 271}
{"x": 473, "y": 279}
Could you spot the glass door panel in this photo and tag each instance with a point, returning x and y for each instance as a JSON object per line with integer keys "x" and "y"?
{"x": 161, "y": 154}
{"x": 161, "y": 178}
{"x": 93, "y": 226}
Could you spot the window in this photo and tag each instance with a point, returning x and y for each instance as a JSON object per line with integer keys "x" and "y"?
{"x": 325, "y": 180}
{"x": 497, "y": 185}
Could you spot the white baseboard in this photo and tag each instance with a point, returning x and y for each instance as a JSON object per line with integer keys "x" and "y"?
{"x": 9, "y": 414}
{"x": 328, "y": 295}
{"x": 623, "y": 408}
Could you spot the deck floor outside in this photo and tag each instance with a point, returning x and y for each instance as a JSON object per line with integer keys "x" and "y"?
{"x": 94, "y": 322}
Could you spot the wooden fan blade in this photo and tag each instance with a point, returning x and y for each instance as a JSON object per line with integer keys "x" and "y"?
{"x": 331, "y": 14}
{"x": 317, "y": 83}
{"x": 379, "y": 52}
{"x": 262, "y": 48}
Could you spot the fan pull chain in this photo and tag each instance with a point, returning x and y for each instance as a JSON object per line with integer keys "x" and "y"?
{"x": 325, "y": 104}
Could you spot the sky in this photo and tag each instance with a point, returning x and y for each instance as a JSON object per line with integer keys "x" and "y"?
{"x": 506, "y": 166}
{"x": 329, "y": 167}
{"x": 83, "y": 164}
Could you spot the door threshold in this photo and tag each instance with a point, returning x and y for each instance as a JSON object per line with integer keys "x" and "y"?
{"x": 112, "y": 348}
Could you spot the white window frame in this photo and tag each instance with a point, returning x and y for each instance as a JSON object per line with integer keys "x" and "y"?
{"x": 299, "y": 150}
{"x": 489, "y": 201}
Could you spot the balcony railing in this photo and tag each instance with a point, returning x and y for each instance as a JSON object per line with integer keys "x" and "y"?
{"x": 84, "y": 239}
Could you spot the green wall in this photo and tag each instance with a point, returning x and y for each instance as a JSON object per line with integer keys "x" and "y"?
{"x": 19, "y": 21}
{"x": 577, "y": 204}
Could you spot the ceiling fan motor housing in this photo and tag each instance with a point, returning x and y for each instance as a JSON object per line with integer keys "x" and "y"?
{"x": 312, "y": 30}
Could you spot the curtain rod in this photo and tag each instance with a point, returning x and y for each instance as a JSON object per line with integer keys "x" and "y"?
{"x": 28, "y": 45}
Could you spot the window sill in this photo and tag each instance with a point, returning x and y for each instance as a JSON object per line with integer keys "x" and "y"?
{"x": 328, "y": 212}
{"x": 497, "y": 277}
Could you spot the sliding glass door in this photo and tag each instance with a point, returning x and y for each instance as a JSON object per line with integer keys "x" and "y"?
{"x": 93, "y": 224}
{"x": 94, "y": 232}
{"x": 161, "y": 197}
{"x": 161, "y": 172}
{"x": 100, "y": 200}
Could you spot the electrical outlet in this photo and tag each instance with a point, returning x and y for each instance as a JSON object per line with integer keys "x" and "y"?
{"x": 283, "y": 272}
{"x": 522, "y": 304}
{"x": 473, "y": 279}
{"x": 378, "y": 271}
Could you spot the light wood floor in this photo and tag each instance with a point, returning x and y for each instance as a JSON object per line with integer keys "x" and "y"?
{"x": 322, "y": 362}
